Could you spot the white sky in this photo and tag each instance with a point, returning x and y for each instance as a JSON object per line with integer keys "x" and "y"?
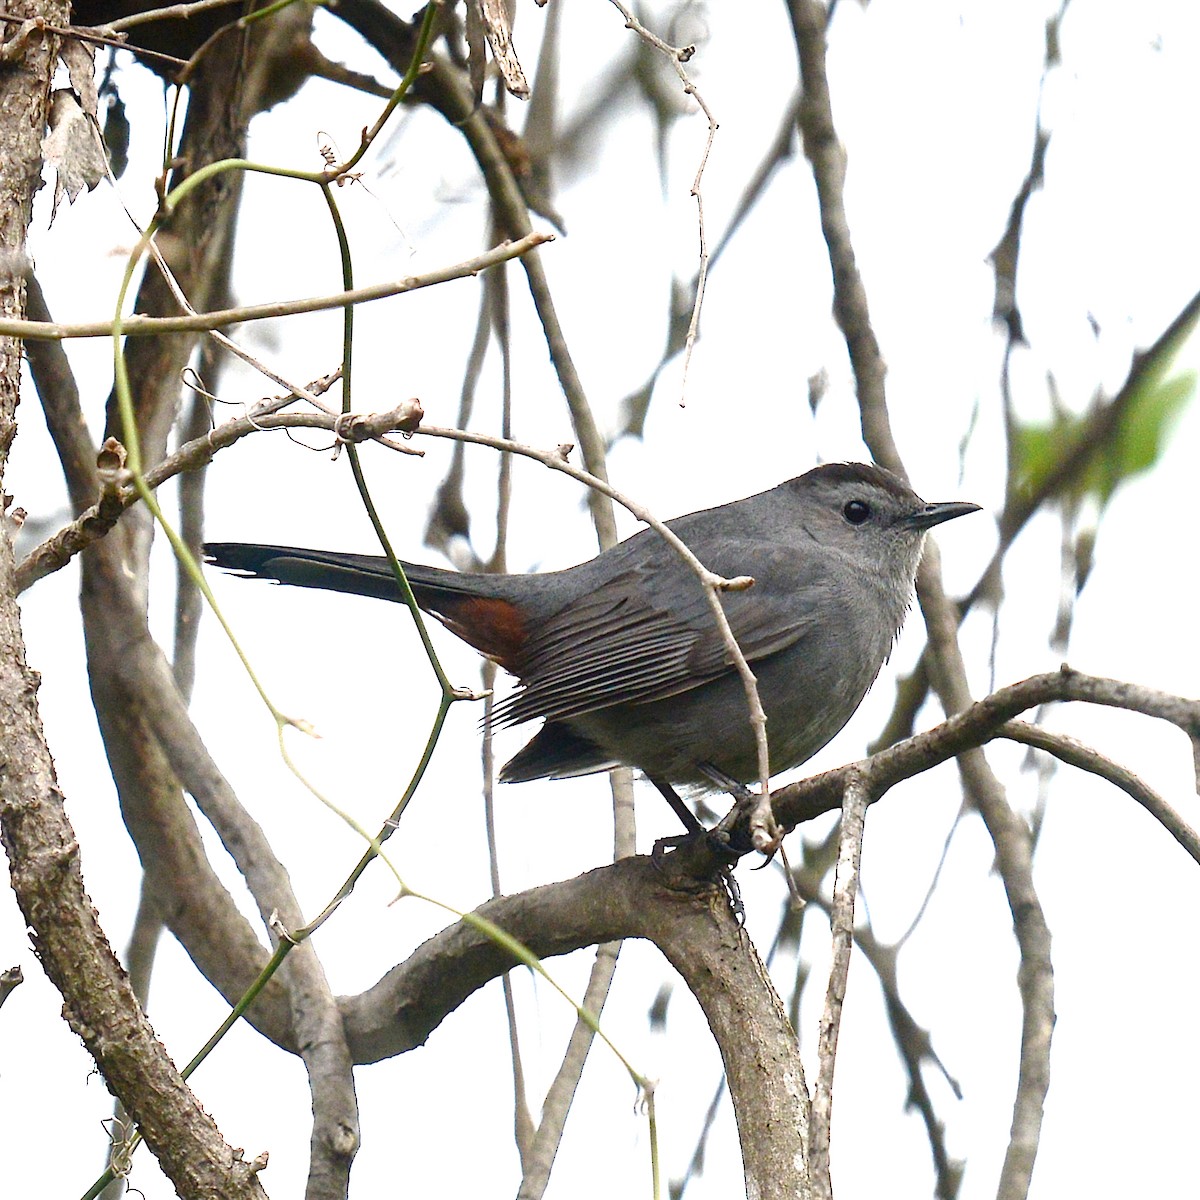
{"x": 936, "y": 104}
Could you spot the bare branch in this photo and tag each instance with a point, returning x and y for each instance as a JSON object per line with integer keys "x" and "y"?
{"x": 59, "y": 396}
{"x": 401, "y": 1010}
{"x": 10, "y": 979}
{"x": 42, "y": 848}
{"x": 1077, "y": 754}
{"x": 537, "y": 1162}
{"x": 141, "y": 326}
{"x": 1009, "y": 832}
{"x": 841, "y": 921}
{"x": 97, "y": 37}
{"x": 683, "y": 300}
{"x": 168, "y": 13}
{"x": 982, "y": 721}
{"x": 913, "y": 1043}
{"x": 692, "y": 925}
{"x": 58, "y": 550}
{"x": 677, "y": 56}
{"x": 828, "y": 158}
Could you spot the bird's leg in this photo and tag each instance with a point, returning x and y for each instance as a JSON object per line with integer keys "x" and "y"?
{"x": 718, "y": 837}
{"x": 717, "y": 840}
{"x": 738, "y": 790}
{"x": 695, "y": 830}
{"x": 685, "y": 814}
{"x": 744, "y": 800}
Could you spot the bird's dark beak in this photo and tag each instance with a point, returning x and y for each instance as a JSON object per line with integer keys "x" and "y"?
{"x": 935, "y": 514}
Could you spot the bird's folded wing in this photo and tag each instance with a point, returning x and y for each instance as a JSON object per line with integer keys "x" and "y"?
{"x": 649, "y": 633}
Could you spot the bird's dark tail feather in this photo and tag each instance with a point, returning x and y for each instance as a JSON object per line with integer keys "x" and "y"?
{"x": 475, "y": 607}
{"x": 334, "y": 571}
{"x": 359, "y": 574}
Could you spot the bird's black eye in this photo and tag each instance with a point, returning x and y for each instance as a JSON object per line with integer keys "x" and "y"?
{"x": 856, "y": 511}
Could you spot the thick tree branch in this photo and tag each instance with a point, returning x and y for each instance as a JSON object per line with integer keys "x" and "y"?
{"x": 43, "y": 853}
{"x": 692, "y": 925}
{"x": 134, "y": 691}
{"x": 98, "y": 1000}
{"x": 400, "y": 1011}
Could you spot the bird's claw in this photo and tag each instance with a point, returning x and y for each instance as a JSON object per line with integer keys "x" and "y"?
{"x": 717, "y": 842}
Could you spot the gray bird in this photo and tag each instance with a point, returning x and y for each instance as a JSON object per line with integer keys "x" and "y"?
{"x": 620, "y": 656}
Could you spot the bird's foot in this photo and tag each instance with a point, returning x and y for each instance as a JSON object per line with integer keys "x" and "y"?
{"x": 750, "y": 823}
{"x": 715, "y": 842}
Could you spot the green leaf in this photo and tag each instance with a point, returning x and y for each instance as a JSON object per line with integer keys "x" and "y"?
{"x": 1143, "y": 432}
{"x": 1135, "y": 445}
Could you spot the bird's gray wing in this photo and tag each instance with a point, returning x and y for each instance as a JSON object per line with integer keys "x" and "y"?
{"x": 649, "y": 633}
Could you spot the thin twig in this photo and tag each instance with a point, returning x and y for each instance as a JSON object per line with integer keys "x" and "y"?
{"x": 1077, "y": 754}
{"x": 683, "y": 297}
{"x": 168, "y": 13}
{"x": 841, "y": 919}
{"x": 677, "y": 56}
{"x": 98, "y": 37}
{"x": 139, "y": 326}
{"x": 293, "y": 390}
{"x": 56, "y": 551}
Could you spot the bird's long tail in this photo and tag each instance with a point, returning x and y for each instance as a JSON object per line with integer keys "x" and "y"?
{"x": 330, "y": 570}
{"x": 475, "y": 607}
